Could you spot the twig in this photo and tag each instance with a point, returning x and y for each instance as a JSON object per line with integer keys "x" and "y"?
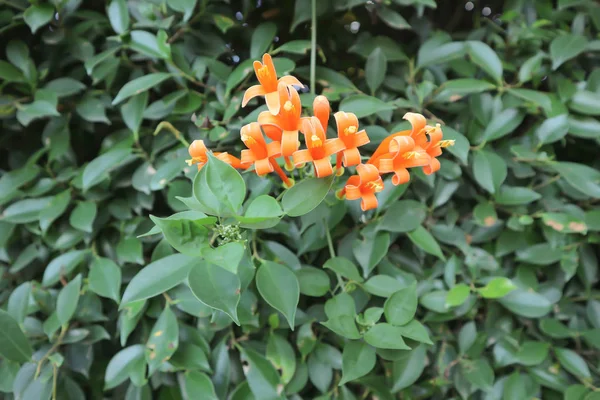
{"x": 313, "y": 46}
{"x": 54, "y": 347}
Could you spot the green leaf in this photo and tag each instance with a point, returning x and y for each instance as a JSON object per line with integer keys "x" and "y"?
{"x": 564, "y": 223}
{"x": 363, "y": 105}
{"x": 261, "y": 375}
{"x": 83, "y": 215}
{"x": 25, "y": 211}
{"x": 573, "y": 362}
{"x": 262, "y": 37}
{"x": 129, "y": 250}
{"x": 375, "y": 69}
{"x": 539, "y": 254}
{"x": 585, "y": 102}
{"x": 416, "y": 331}
{"x": 458, "y": 295}
{"x": 540, "y": 99}
{"x": 294, "y": 47}
{"x": 62, "y": 266}
{"x": 370, "y": 250}
{"x": 313, "y": 281}
{"x": 403, "y": 216}
{"x": 219, "y": 188}
{"x": 186, "y": 233}
{"x": 105, "y": 278}
{"x": 383, "y": 285}
{"x": 122, "y": 365}
{"x": 148, "y": 44}
{"x": 216, "y": 287}
{"x": 497, "y": 288}
{"x": 67, "y": 300}
{"x": 163, "y": 340}
{"x": 503, "y": 124}
{"x": 158, "y": 277}
{"x": 581, "y": 177}
{"x": 344, "y": 267}
{"x": 425, "y": 241}
{"x": 304, "y": 197}
{"x": 532, "y": 353}
{"x": 279, "y": 287}
{"x": 133, "y": 111}
{"x": 118, "y": 15}
{"x": 140, "y": 85}
{"x": 10, "y": 73}
{"x": 407, "y": 368}
{"x": 197, "y": 384}
{"x": 391, "y": 18}
{"x": 401, "y": 307}
{"x": 264, "y": 212}
{"x": 18, "y": 302}
{"x": 526, "y": 303}
{"x": 358, "y": 359}
{"x": 461, "y": 146}
{"x": 566, "y": 47}
{"x": 14, "y": 345}
{"x": 37, "y": 16}
{"x": 456, "y": 89}
{"x": 479, "y": 373}
{"x": 186, "y": 7}
{"x": 343, "y": 325}
{"x": 514, "y": 196}
{"x": 99, "y": 168}
{"x": 486, "y": 58}
{"x": 55, "y": 209}
{"x": 441, "y": 54}
{"x": 530, "y": 67}
{"x": 385, "y": 336}
{"x": 489, "y": 170}
{"x": 281, "y": 353}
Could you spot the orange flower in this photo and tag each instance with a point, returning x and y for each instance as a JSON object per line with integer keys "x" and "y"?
{"x": 260, "y": 153}
{"x": 319, "y": 149}
{"x": 364, "y": 186}
{"x": 347, "y": 129}
{"x": 402, "y": 154}
{"x": 198, "y": 151}
{"x": 267, "y": 76}
{"x": 321, "y": 111}
{"x": 434, "y": 148}
{"x": 284, "y": 126}
{"x": 418, "y": 123}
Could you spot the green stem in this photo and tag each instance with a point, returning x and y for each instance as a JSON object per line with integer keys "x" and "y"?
{"x": 54, "y": 347}
{"x": 313, "y": 46}
{"x": 340, "y": 281}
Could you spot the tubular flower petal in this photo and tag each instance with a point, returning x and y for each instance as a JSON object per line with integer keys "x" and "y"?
{"x": 267, "y": 77}
{"x": 364, "y": 186}
{"x": 284, "y": 126}
{"x": 417, "y": 122}
{"x": 402, "y": 154}
{"x": 259, "y": 152}
{"x": 198, "y": 151}
{"x": 434, "y": 148}
{"x": 321, "y": 110}
{"x": 348, "y": 133}
{"x": 319, "y": 149}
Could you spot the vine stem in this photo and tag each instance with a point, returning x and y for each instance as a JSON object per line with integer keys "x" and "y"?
{"x": 54, "y": 347}
{"x": 340, "y": 283}
{"x": 313, "y": 46}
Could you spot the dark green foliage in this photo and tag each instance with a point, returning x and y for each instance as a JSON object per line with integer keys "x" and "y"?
{"x": 126, "y": 274}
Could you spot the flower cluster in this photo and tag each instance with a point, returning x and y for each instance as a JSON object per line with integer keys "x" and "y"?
{"x": 283, "y": 123}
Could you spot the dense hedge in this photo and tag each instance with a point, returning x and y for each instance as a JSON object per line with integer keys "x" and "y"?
{"x": 476, "y": 282}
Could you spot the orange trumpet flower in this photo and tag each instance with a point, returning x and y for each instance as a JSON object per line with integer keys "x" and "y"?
{"x": 321, "y": 111}
{"x": 284, "y": 126}
{"x": 402, "y": 154}
{"x": 260, "y": 153}
{"x": 364, "y": 186}
{"x": 198, "y": 151}
{"x": 319, "y": 149}
{"x": 417, "y": 122}
{"x": 434, "y": 148}
{"x": 267, "y": 76}
{"x": 347, "y": 129}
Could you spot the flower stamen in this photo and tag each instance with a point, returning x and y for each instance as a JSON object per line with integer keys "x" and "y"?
{"x": 351, "y": 130}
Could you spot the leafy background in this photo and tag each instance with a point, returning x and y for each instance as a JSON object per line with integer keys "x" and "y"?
{"x": 488, "y": 269}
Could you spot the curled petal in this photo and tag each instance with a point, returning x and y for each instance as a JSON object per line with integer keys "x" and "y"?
{"x": 247, "y": 158}
{"x": 361, "y": 138}
{"x": 289, "y": 143}
{"x": 270, "y": 125}
{"x": 197, "y": 149}
{"x": 274, "y": 149}
{"x": 231, "y": 160}
{"x": 273, "y": 104}
{"x": 435, "y": 134}
{"x": 400, "y": 177}
{"x": 368, "y": 202}
{"x": 252, "y": 92}
{"x": 323, "y": 167}
{"x": 433, "y": 166}
{"x": 302, "y": 157}
{"x": 352, "y": 188}
{"x": 263, "y": 166}
{"x": 290, "y": 81}
{"x": 351, "y": 157}
{"x": 367, "y": 173}
{"x": 321, "y": 110}
{"x": 401, "y": 144}
{"x": 333, "y": 146}
{"x": 417, "y": 121}
{"x": 385, "y": 165}
{"x": 268, "y": 61}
